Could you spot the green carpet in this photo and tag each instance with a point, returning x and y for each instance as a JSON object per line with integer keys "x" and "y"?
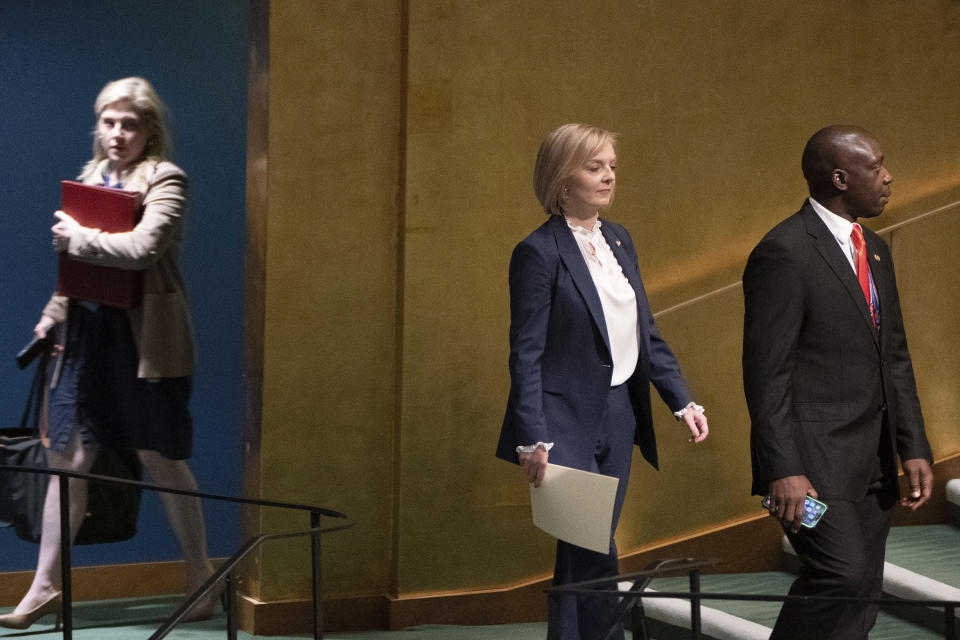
{"x": 769, "y": 583}
{"x": 138, "y": 618}
{"x": 530, "y": 631}
{"x": 930, "y": 550}
{"x": 888, "y": 627}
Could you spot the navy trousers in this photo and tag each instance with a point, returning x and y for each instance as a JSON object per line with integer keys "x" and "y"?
{"x": 582, "y": 618}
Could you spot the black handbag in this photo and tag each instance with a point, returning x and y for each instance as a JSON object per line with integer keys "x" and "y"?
{"x": 22, "y": 494}
{"x": 112, "y": 509}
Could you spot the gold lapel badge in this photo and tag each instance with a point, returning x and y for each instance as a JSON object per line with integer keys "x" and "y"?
{"x": 618, "y": 244}
{"x": 876, "y": 257}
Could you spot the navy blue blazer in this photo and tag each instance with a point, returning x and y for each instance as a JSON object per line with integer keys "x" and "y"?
{"x": 560, "y": 361}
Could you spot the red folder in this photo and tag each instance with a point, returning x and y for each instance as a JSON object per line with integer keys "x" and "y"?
{"x": 113, "y": 211}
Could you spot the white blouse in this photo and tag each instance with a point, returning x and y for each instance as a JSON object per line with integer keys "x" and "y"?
{"x": 617, "y": 297}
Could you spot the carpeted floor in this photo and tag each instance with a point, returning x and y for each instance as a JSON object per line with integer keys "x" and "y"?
{"x": 138, "y": 618}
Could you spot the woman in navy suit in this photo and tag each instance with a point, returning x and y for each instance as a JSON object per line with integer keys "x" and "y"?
{"x": 583, "y": 351}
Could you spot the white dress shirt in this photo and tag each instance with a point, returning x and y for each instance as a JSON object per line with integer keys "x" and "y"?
{"x": 841, "y": 228}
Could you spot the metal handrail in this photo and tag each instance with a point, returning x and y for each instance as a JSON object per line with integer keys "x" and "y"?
{"x": 735, "y": 285}
{"x": 693, "y": 567}
{"x": 225, "y": 572}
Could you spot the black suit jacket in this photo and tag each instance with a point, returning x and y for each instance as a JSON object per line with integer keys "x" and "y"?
{"x": 560, "y": 361}
{"x": 818, "y": 377}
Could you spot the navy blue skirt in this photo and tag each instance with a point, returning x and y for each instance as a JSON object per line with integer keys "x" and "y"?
{"x": 99, "y": 393}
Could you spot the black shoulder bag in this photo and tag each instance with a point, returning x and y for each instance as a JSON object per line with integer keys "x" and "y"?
{"x": 112, "y": 509}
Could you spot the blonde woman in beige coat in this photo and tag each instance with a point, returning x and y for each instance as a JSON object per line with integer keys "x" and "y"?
{"x": 125, "y": 375}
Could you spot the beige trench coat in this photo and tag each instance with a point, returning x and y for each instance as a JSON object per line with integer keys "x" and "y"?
{"x": 161, "y": 326}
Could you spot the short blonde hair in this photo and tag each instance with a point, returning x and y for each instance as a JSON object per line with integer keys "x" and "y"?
{"x": 562, "y": 152}
{"x": 143, "y": 99}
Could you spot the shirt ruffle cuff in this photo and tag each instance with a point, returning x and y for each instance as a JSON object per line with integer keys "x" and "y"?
{"x": 530, "y": 448}
{"x": 693, "y": 406}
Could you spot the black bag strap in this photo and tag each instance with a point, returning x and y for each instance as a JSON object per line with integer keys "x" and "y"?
{"x": 35, "y": 398}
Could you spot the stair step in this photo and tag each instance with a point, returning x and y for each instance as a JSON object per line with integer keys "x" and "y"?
{"x": 669, "y": 619}
{"x": 931, "y": 551}
{"x": 762, "y": 614}
{"x": 922, "y": 562}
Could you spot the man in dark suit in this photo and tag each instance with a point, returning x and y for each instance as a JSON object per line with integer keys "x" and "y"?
{"x": 829, "y": 384}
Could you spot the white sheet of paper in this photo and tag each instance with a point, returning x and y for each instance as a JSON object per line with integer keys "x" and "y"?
{"x": 575, "y": 506}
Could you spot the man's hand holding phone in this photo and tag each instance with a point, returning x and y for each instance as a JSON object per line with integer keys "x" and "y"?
{"x": 787, "y": 497}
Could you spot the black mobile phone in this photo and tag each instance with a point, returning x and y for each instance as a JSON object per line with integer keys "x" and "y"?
{"x": 813, "y": 510}
{"x": 34, "y": 348}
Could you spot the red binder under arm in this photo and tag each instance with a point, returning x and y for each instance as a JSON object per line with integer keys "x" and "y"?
{"x": 113, "y": 211}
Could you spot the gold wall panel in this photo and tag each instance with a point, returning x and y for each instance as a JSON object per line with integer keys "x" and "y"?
{"x": 928, "y": 272}
{"x": 329, "y": 329}
{"x": 713, "y": 101}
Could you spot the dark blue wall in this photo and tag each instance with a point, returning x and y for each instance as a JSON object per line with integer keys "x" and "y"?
{"x": 53, "y": 62}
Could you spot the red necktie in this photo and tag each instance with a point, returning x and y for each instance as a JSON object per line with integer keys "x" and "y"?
{"x": 863, "y": 269}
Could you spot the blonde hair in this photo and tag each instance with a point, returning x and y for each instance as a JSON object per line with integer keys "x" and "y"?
{"x": 562, "y": 152}
{"x": 140, "y": 96}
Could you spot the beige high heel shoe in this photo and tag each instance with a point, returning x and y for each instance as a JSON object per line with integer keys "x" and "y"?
{"x": 204, "y": 608}
{"x": 54, "y": 604}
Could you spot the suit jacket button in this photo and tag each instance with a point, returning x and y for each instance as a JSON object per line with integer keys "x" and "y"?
{"x": 882, "y": 406}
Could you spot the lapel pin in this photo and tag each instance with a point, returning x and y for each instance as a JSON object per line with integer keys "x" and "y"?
{"x": 618, "y": 244}
{"x": 876, "y": 257}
